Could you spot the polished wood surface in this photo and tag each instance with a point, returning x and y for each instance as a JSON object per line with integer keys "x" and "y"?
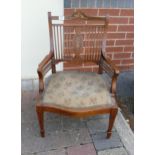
{"x": 69, "y": 42}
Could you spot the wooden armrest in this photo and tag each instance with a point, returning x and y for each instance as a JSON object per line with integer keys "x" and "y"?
{"x": 45, "y": 61}
{"x": 115, "y": 73}
{"x": 43, "y": 67}
{"x": 111, "y": 64}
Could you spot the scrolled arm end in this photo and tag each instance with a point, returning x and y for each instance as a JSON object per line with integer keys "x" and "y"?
{"x": 41, "y": 80}
{"x": 117, "y": 71}
{"x": 114, "y": 82}
{"x": 41, "y": 69}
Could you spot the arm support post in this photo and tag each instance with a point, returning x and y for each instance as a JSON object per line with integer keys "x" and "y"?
{"x": 107, "y": 65}
{"x": 43, "y": 68}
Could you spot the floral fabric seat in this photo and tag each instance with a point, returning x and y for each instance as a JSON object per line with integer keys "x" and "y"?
{"x": 78, "y": 90}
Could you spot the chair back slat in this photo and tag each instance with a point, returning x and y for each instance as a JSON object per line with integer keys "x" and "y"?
{"x": 58, "y": 41}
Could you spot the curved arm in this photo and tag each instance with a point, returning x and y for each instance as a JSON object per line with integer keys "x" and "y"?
{"x": 115, "y": 74}
{"x": 43, "y": 67}
{"x": 114, "y": 70}
{"x": 45, "y": 61}
{"x": 111, "y": 64}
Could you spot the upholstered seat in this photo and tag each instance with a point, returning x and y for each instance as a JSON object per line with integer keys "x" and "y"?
{"x": 78, "y": 90}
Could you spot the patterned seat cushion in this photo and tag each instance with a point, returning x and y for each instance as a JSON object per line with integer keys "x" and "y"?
{"x": 78, "y": 90}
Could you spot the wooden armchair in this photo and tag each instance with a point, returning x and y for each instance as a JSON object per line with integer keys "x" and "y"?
{"x": 80, "y": 38}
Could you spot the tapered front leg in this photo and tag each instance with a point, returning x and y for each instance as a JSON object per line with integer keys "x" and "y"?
{"x": 112, "y": 117}
{"x": 40, "y": 114}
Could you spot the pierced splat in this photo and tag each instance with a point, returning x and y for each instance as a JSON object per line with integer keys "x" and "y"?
{"x": 78, "y": 42}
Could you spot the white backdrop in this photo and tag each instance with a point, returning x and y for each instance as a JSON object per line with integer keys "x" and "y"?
{"x": 35, "y": 36}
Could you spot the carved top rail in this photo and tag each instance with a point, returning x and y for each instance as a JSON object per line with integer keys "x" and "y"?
{"x": 78, "y": 15}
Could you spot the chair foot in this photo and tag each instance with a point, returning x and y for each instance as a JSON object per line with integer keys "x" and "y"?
{"x": 109, "y": 134}
{"x": 42, "y": 133}
{"x": 112, "y": 117}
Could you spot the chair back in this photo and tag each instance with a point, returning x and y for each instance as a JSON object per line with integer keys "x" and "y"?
{"x": 78, "y": 38}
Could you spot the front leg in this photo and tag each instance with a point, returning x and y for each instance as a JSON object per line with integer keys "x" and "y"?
{"x": 40, "y": 114}
{"x": 112, "y": 117}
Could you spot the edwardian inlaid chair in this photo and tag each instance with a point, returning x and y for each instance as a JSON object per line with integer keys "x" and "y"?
{"x": 80, "y": 38}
